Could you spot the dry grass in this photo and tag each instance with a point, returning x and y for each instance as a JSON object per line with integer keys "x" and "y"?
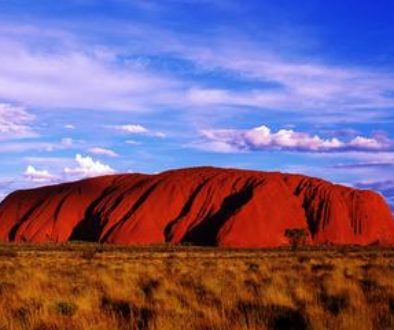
{"x": 83, "y": 286}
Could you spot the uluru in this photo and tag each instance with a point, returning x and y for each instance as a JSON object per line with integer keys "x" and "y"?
{"x": 202, "y": 206}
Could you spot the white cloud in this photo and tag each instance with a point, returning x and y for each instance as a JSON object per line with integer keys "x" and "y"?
{"x": 368, "y": 143}
{"x": 38, "y": 176}
{"x": 23, "y": 146}
{"x": 34, "y": 145}
{"x": 262, "y": 138}
{"x": 103, "y": 152}
{"x": 69, "y": 126}
{"x": 132, "y": 129}
{"x": 357, "y": 159}
{"x": 67, "y": 142}
{"x": 160, "y": 135}
{"x": 87, "y": 167}
{"x": 215, "y": 146}
{"x": 138, "y": 130}
{"x": 15, "y": 122}
{"x": 132, "y": 142}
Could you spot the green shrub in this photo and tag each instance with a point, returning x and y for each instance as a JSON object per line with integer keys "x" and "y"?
{"x": 66, "y": 308}
{"x": 296, "y": 237}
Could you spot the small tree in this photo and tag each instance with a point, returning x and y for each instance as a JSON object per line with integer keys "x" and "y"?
{"x": 296, "y": 237}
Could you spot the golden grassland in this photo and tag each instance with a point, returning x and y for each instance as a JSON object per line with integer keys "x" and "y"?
{"x": 87, "y": 286}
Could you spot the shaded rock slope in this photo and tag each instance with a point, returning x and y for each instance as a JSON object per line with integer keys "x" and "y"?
{"x": 204, "y": 206}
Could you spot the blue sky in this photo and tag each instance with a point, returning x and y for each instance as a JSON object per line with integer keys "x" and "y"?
{"x": 94, "y": 87}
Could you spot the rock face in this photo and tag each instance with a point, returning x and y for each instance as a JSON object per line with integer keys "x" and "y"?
{"x": 204, "y": 206}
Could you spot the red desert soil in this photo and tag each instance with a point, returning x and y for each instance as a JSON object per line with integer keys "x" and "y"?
{"x": 204, "y": 206}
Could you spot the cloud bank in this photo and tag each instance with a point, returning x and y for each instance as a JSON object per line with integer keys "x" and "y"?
{"x": 15, "y": 122}
{"x": 138, "y": 130}
{"x": 103, "y": 152}
{"x": 85, "y": 167}
{"x": 263, "y": 138}
{"x": 38, "y": 176}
